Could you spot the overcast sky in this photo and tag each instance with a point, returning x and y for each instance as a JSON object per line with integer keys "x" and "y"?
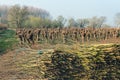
{"x": 73, "y": 8}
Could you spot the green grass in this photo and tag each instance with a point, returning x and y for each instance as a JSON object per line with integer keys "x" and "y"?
{"x": 7, "y": 40}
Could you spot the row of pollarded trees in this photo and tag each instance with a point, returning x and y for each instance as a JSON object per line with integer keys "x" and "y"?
{"x": 67, "y": 34}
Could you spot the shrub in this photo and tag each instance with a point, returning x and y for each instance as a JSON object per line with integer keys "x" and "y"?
{"x": 7, "y": 40}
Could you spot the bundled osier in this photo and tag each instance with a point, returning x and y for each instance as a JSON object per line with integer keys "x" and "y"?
{"x": 101, "y": 62}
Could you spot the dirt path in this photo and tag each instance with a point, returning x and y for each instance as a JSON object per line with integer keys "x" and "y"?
{"x": 20, "y": 64}
{"x": 7, "y": 67}
{"x": 15, "y": 66}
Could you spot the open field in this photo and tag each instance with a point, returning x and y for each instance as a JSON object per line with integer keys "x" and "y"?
{"x": 44, "y": 40}
{"x": 64, "y": 61}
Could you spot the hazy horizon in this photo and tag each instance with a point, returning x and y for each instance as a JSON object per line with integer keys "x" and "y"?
{"x": 73, "y": 8}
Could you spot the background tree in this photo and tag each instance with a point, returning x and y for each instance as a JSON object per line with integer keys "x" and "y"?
{"x": 101, "y": 21}
{"x": 38, "y": 12}
{"x": 97, "y": 22}
{"x": 72, "y": 23}
{"x": 117, "y": 19}
{"x": 17, "y": 15}
{"x": 26, "y": 16}
{"x": 106, "y": 26}
{"x": 3, "y": 14}
{"x": 33, "y": 22}
{"x": 47, "y": 23}
{"x": 54, "y": 24}
{"x": 82, "y": 23}
{"x": 61, "y": 21}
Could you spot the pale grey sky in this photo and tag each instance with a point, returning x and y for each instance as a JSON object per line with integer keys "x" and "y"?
{"x": 73, "y": 8}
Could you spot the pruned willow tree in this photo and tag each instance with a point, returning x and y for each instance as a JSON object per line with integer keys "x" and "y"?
{"x": 17, "y": 16}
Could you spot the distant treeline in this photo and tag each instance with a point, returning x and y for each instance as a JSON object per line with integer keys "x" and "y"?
{"x": 10, "y": 14}
{"x": 17, "y": 16}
